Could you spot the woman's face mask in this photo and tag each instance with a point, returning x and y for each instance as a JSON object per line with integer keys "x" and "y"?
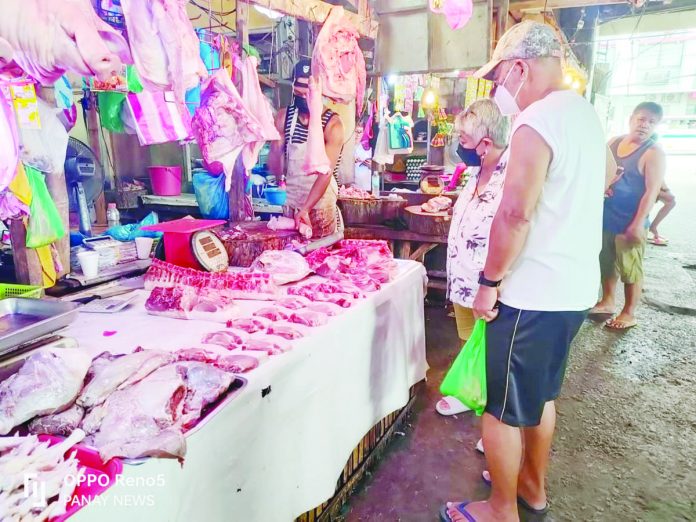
{"x": 470, "y": 157}
{"x": 506, "y": 102}
{"x": 301, "y": 104}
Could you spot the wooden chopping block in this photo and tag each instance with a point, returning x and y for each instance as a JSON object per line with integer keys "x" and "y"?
{"x": 370, "y": 211}
{"x": 426, "y": 223}
{"x": 259, "y": 238}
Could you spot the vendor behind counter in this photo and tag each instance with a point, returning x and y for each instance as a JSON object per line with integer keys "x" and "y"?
{"x": 311, "y": 198}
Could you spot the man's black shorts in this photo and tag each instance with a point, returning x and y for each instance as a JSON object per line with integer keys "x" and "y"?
{"x": 526, "y": 356}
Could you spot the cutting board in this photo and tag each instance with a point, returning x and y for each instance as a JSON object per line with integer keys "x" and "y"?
{"x": 427, "y": 223}
{"x": 258, "y": 238}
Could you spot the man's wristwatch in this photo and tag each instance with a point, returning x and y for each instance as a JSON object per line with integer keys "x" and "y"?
{"x": 487, "y": 282}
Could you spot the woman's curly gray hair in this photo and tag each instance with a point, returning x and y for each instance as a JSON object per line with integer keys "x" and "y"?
{"x": 482, "y": 119}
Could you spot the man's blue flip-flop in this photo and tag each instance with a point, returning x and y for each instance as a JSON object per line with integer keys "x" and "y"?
{"x": 461, "y": 507}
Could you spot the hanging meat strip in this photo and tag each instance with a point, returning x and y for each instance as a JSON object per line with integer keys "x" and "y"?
{"x": 316, "y": 160}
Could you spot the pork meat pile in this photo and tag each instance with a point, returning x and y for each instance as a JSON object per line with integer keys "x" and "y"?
{"x": 364, "y": 264}
{"x": 285, "y": 266}
{"x": 256, "y": 286}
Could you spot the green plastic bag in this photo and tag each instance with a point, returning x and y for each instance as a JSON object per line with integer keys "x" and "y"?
{"x": 466, "y": 379}
{"x": 45, "y": 225}
{"x": 110, "y": 104}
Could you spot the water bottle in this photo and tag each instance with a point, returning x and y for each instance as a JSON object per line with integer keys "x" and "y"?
{"x": 113, "y": 217}
{"x": 376, "y": 184}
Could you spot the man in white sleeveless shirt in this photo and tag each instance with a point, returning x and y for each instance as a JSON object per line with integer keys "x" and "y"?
{"x": 542, "y": 270}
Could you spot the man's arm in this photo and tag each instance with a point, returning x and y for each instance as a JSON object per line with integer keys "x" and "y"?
{"x": 654, "y": 173}
{"x": 528, "y": 166}
{"x": 612, "y": 167}
{"x": 276, "y": 155}
{"x": 333, "y": 137}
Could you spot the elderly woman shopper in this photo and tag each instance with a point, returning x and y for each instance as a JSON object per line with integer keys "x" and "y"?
{"x": 483, "y": 135}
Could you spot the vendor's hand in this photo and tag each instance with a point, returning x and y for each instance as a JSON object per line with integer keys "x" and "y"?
{"x": 634, "y": 234}
{"x": 302, "y": 217}
{"x": 484, "y": 303}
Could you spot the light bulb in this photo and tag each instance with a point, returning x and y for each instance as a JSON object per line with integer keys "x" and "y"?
{"x": 392, "y": 79}
{"x": 576, "y": 85}
{"x": 568, "y": 79}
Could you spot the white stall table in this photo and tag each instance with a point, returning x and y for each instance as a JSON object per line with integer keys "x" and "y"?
{"x": 277, "y": 450}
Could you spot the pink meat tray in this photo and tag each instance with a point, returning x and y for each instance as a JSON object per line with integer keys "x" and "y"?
{"x": 95, "y": 469}
{"x": 177, "y": 239}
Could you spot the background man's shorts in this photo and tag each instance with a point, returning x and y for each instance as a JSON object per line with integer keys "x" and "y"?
{"x": 619, "y": 256}
{"x": 526, "y": 356}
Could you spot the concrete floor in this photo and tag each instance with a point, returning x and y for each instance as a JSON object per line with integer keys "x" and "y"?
{"x": 625, "y": 447}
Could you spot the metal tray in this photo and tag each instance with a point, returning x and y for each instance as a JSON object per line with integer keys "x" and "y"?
{"x": 23, "y": 320}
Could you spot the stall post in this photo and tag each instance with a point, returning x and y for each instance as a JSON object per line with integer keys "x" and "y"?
{"x": 237, "y": 195}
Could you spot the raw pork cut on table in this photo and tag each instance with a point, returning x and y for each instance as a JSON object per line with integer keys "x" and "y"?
{"x": 49, "y": 37}
{"x": 248, "y": 325}
{"x": 47, "y": 383}
{"x": 285, "y": 331}
{"x": 286, "y": 223}
{"x": 272, "y": 313}
{"x": 285, "y": 266}
{"x": 228, "y": 339}
{"x": 310, "y": 290}
{"x": 204, "y": 384}
{"x": 143, "y": 419}
{"x": 237, "y": 363}
{"x": 164, "y": 45}
{"x": 257, "y": 105}
{"x": 234, "y": 285}
{"x": 109, "y": 372}
{"x": 316, "y": 161}
{"x": 338, "y": 60}
{"x": 308, "y": 318}
{"x": 266, "y": 344}
{"x": 233, "y": 363}
{"x": 223, "y": 126}
{"x": 185, "y": 302}
{"x": 329, "y": 309}
{"x": 354, "y": 193}
{"x": 63, "y": 423}
{"x": 294, "y": 302}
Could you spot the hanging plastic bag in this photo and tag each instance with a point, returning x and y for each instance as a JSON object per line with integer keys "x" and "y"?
{"x": 45, "y": 148}
{"x": 213, "y": 201}
{"x": 110, "y": 105}
{"x": 466, "y": 379}
{"x": 45, "y": 225}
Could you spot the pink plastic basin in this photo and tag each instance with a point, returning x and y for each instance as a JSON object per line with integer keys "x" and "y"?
{"x": 99, "y": 476}
{"x": 166, "y": 181}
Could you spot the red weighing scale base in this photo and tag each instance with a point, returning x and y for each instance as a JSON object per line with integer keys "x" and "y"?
{"x": 177, "y": 239}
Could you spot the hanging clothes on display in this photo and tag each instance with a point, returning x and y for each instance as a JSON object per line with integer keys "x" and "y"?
{"x": 457, "y": 12}
{"x": 382, "y": 154}
{"x": 400, "y": 134}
